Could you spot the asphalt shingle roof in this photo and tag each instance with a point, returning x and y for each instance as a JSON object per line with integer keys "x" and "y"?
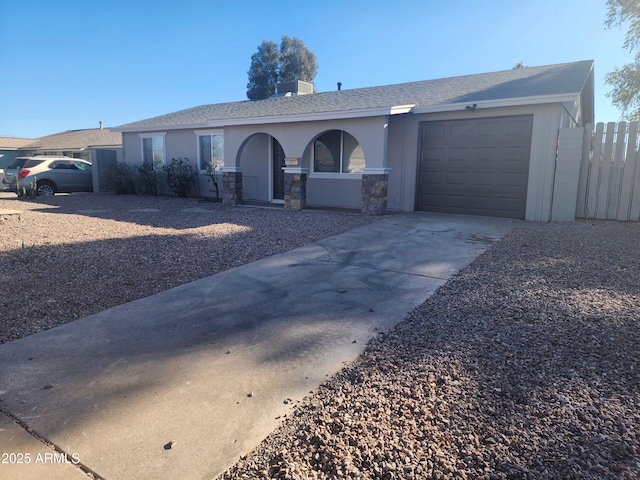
{"x": 566, "y": 78}
{"x": 77, "y": 140}
{"x": 13, "y": 143}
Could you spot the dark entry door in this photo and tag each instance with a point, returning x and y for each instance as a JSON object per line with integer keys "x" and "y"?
{"x": 278, "y": 173}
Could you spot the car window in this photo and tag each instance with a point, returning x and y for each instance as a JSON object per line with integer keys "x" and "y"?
{"x": 32, "y": 163}
{"x": 17, "y": 163}
{"x": 81, "y": 166}
{"x": 60, "y": 165}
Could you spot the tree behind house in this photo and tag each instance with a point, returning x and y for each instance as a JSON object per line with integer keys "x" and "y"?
{"x": 263, "y": 73}
{"x": 625, "y": 81}
{"x": 297, "y": 62}
{"x": 270, "y": 65}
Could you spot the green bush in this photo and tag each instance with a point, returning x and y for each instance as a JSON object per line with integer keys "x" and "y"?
{"x": 121, "y": 179}
{"x": 180, "y": 177}
{"x": 147, "y": 179}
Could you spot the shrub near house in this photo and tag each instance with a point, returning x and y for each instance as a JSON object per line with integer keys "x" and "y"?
{"x": 178, "y": 175}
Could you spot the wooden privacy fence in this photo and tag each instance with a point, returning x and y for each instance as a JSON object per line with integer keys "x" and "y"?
{"x": 609, "y": 182}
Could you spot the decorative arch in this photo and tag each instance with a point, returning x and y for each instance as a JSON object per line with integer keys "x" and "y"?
{"x": 261, "y": 159}
{"x": 335, "y": 151}
{"x": 248, "y": 139}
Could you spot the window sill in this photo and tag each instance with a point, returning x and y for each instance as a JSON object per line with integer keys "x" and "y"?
{"x": 336, "y": 176}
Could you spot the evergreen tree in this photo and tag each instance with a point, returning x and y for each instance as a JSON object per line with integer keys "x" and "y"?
{"x": 297, "y": 62}
{"x": 625, "y": 81}
{"x": 270, "y": 65}
{"x": 263, "y": 73}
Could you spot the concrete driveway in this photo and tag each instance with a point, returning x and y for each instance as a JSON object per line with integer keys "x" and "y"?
{"x": 181, "y": 384}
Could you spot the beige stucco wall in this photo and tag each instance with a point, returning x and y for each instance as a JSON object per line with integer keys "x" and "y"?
{"x": 247, "y": 149}
{"x": 255, "y": 167}
{"x": 295, "y": 137}
{"x": 326, "y": 192}
{"x": 387, "y": 141}
{"x": 178, "y": 144}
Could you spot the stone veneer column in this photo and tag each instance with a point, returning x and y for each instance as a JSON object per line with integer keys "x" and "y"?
{"x": 375, "y": 182}
{"x": 295, "y": 188}
{"x": 231, "y": 186}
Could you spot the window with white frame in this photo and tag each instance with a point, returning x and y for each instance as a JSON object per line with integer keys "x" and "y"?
{"x": 153, "y": 151}
{"x": 210, "y": 150}
{"x": 336, "y": 151}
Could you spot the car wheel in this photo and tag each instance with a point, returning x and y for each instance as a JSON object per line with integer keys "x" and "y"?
{"x": 46, "y": 189}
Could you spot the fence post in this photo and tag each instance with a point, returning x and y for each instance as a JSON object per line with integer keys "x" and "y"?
{"x": 635, "y": 192}
{"x": 629, "y": 172}
{"x": 616, "y": 171}
{"x": 585, "y": 166}
{"x": 567, "y": 177}
{"x": 594, "y": 173}
{"x": 604, "y": 184}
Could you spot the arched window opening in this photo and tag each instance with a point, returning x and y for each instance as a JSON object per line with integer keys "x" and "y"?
{"x": 336, "y": 151}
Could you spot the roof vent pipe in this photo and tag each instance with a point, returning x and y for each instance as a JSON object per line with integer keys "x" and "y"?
{"x": 339, "y": 86}
{"x": 101, "y": 124}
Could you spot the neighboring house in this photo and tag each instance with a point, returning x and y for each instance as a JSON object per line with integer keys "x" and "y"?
{"x": 100, "y": 146}
{"x": 477, "y": 144}
{"x": 9, "y": 150}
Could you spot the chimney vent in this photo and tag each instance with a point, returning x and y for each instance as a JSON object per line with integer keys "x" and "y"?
{"x": 101, "y": 124}
{"x": 339, "y": 86}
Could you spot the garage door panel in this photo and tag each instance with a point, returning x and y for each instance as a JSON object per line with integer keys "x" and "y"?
{"x": 481, "y": 178}
{"x": 485, "y": 154}
{"x": 460, "y": 129}
{"x": 454, "y": 201}
{"x": 434, "y": 131}
{"x": 481, "y": 202}
{"x": 433, "y": 151}
{"x": 513, "y": 180}
{"x": 489, "y": 128}
{"x": 519, "y": 127}
{"x": 431, "y": 178}
{"x": 453, "y": 155}
{"x": 432, "y": 201}
{"x": 517, "y": 154}
{"x": 477, "y": 166}
{"x": 453, "y": 178}
{"x": 509, "y": 204}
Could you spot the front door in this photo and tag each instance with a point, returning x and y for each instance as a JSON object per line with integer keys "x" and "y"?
{"x": 278, "y": 172}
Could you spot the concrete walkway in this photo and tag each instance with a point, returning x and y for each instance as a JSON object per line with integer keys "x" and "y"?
{"x": 181, "y": 384}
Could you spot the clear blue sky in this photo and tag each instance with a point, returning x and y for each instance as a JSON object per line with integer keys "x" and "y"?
{"x": 67, "y": 64}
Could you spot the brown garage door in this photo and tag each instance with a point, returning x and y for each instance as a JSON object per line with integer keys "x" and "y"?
{"x": 475, "y": 167}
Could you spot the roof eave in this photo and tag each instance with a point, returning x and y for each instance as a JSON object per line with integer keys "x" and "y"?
{"x": 497, "y": 103}
{"x": 79, "y": 149}
{"x": 55, "y": 147}
{"x": 306, "y": 117}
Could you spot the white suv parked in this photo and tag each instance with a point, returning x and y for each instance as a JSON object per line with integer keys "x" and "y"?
{"x": 53, "y": 175}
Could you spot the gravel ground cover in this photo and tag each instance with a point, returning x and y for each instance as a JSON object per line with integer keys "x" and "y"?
{"x": 85, "y": 253}
{"x": 525, "y": 365}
